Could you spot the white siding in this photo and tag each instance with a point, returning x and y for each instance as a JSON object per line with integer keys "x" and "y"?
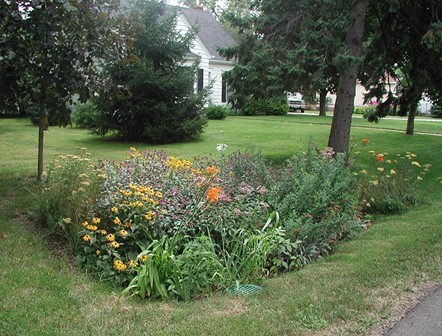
{"x": 212, "y": 69}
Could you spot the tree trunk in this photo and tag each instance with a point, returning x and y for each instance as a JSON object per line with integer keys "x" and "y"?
{"x": 410, "y": 121}
{"x": 42, "y": 124}
{"x": 323, "y": 102}
{"x": 340, "y": 130}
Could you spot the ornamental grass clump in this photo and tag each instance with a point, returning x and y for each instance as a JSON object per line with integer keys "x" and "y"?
{"x": 68, "y": 195}
{"x": 389, "y": 182}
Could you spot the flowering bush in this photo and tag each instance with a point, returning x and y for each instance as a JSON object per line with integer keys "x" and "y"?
{"x": 168, "y": 227}
{"x": 389, "y": 182}
{"x": 68, "y": 195}
{"x": 316, "y": 197}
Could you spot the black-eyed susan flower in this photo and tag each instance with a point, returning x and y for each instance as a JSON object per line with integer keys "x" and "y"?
{"x": 119, "y": 265}
{"x": 144, "y": 258}
{"x": 123, "y": 233}
{"x": 91, "y": 227}
{"x": 86, "y": 238}
{"x": 114, "y": 209}
{"x": 132, "y": 263}
{"x": 114, "y": 244}
{"x": 96, "y": 220}
{"x": 110, "y": 237}
{"x": 103, "y": 232}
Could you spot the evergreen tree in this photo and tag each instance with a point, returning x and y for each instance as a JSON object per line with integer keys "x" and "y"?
{"x": 150, "y": 92}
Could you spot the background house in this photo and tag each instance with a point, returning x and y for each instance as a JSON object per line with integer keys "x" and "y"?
{"x": 210, "y": 36}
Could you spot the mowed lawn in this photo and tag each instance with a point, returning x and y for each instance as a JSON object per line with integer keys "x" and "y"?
{"x": 354, "y": 291}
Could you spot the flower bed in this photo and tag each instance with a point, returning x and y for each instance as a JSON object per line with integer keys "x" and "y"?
{"x": 172, "y": 228}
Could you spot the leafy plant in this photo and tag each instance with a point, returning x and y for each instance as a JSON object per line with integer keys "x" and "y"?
{"x": 68, "y": 195}
{"x": 84, "y": 115}
{"x": 217, "y": 112}
{"x": 389, "y": 184}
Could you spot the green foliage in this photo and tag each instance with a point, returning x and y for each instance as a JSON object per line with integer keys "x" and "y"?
{"x": 150, "y": 95}
{"x": 67, "y": 196}
{"x": 436, "y": 111}
{"x": 389, "y": 184}
{"x": 217, "y": 112}
{"x": 84, "y": 115}
{"x": 173, "y": 228}
{"x": 316, "y": 197}
{"x": 254, "y": 107}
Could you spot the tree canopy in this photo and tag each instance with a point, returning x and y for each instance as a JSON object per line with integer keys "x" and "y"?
{"x": 48, "y": 51}
{"x": 150, "y": 95}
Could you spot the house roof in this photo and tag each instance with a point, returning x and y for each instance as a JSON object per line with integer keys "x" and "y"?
{"x": 209, "y": 30}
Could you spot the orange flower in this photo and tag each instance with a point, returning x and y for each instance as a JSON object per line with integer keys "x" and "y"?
{"x": 365, "y": 141}
{"x": 380, "y": 157}
{"x": 212, "y": 170}
{"x": 213, "y": 194}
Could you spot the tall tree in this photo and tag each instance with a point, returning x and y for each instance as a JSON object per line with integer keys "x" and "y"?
{"x": 340, "y": 130}
{"x": 55, "y": 44}
{"x": 150, "y": 93}
{"x": 409, "y": 45}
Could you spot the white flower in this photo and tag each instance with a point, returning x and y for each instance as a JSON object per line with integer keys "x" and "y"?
{"x": 221, "y": 147}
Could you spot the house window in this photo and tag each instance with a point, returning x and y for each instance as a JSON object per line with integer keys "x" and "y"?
{"x": 224, "y": 89}
{"x": 200, "y": 80}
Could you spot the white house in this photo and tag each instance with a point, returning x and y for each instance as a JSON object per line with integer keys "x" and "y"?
{"x": 209, "y": 37}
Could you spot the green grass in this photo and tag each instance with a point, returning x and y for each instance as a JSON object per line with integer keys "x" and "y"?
{"x": 346, "y": 293}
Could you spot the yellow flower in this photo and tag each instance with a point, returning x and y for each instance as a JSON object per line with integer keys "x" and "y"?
{"x": 85, "y": 223}
{"x": 363, "y": 171}
{"x": 415, "y": 163}
{"x": 96, "y": 220}
{"x": 97, "y": 252}
{"x": 419, "y": 178}
{"x": 119, "y": 265}
{"x": 127, "y": 225}
{"x": 381, "y": 169}
{"x": 67, "y": 220}
{"x": 114, "y": 209}
{"x": 392, "y": 171}
{"x": 86, "y": 238}
{"x": 133, "y": 263}
{"x": 110, "y": 237}
{"x": 149, "y": 215}
{"x": 103, "y": 232}
{"x": 375, "y": 183}
{"x": 123, "y": 233}
{"x": 143, "y": 258}
{"x": 85, "y": 183}
{"x": 114, "y": 244}
{"x": 91, "y": 227}
{"x": 117, "y": 221}
{"x": 388, "y": 161}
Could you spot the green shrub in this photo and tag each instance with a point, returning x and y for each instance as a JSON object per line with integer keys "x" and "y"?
{"x": 254, "y": 107}
{"x": 84, "y": 115}
{"x": 316, "y": 198}
{"x": 150, "y": 95}
{"x": 217, "y": 112}
{"x": 366, "y": 111}
{"x": 436, "y": 111}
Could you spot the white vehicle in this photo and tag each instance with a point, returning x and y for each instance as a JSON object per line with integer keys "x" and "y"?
{"x": 295, "y": 102}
